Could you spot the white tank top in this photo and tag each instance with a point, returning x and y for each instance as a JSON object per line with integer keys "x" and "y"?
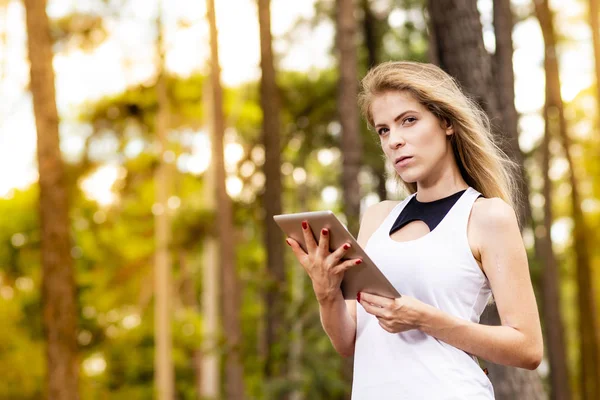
{"x": 438, "y": 269}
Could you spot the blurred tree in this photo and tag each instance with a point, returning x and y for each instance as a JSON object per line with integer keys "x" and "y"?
{"x": 163, "y": 362}
{"x": 350, "y": 146}
{"x": 555, "y": 118}
{"x": 351, "y": 142}
{"x": 211, "y": 284}
{"x": 372, "y": 38}
{"x": 504, "y": 77}
{"x": 461, "y": 52}
{"x": 556, "y": 352}
{"x": 58, "y": 283}
{"x": 275, "y": 300}
{"x": 594, "y": 16}
{"x": 230, "y": 294}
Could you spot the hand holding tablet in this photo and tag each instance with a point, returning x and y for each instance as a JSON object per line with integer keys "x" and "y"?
{"x": 324, "y": 253}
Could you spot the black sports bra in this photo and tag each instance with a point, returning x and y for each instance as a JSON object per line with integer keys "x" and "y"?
{"x": 431, "y": 212}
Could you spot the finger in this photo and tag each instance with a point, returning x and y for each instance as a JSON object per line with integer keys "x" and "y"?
{"x": 377, "y": 300}
{"x": 324, "y": 242}
{"x": 384, "y": 326}
{"x": 298, "y": 252}
{"x": 343, "y": 267}
{"x": 373, "y": 309}
{"x": 309, "y": 239}
{"x": 338, "y": 254}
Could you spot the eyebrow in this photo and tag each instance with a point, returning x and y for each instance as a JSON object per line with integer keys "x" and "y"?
{"x": 398, "y": 117}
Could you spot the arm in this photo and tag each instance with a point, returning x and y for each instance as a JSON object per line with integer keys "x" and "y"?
{"x": 338, "y": 316}
{"x": 339, "y": 322}
{"x": 518, "y": 341}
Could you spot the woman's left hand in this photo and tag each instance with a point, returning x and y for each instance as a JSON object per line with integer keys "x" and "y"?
{"x": 394, "y": 315}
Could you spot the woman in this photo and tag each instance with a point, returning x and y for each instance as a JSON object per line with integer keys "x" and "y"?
{"x": 446, "y": 248}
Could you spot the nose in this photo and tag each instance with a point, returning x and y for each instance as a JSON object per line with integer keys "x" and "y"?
{"x": 395, "y": 139}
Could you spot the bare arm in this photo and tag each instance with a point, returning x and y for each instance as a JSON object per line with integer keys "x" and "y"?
{"x": 338, "y": 316}
{"x": 339, "y": 322}
{"x": 518, "y": 341}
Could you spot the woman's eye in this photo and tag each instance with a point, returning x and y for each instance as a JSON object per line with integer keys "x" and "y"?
{"x": 409, "y": 120}
{"x": 381, "y": 131}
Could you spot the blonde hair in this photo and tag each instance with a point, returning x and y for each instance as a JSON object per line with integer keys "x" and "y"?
{"x": 483, "y": 165}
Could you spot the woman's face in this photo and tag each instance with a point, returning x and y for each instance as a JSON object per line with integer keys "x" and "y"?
{"x": 407, "y": 128}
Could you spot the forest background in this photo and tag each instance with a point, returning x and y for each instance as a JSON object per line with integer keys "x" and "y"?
{"x": 146, "y": 145}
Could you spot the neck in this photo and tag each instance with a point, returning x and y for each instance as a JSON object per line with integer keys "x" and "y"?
{"x": 443, "y": 184}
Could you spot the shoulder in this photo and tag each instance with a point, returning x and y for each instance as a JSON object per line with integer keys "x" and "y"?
{"x": 381, "y": 209}
{"x": 492, "y": 221}
{"x": 372, "y": 218}
{"x": 493, "y": 213}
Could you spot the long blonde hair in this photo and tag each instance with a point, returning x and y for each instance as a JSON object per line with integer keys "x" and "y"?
{"x": 483, "y": 165}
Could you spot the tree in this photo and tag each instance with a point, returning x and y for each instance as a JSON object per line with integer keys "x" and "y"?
{"x": 372, "y": 43}
{"x": 211, "y": 283}
{"x": 58, "y": 283}
{"x": 230, "y": 295}
{"x": 504, "y": 78}
{"x": 350, "y": 145}
{"x": 163, "y": 362}
{"x": 559, "y": 376}
{"x": 594, "y": 16}
{"x": 271, "y": 200}
{"x": 557, "y": 126}
{"x": 461, "y": 52}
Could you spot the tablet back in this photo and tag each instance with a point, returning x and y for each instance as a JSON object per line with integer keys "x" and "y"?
{"x": 365, "y": 277}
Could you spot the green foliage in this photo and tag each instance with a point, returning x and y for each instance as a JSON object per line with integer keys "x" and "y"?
{"x": 113, "y": 245}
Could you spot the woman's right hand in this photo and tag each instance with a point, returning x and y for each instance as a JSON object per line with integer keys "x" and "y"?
{"x": 322, "y": 266}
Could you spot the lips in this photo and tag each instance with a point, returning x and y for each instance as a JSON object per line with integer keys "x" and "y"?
{"x": 398, "y": 159}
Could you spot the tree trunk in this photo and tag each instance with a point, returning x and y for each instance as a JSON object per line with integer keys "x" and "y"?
{"x": 298, "y": 298}
{"x": 211, "y": 371}
{"x": 58, "y": 282}
{"x": 234, "y": 371}
{"x": 274, "y": 240}
{"x": 372, "y": 43}
{"x": 369, "y": 34}
{"x": 595, "y": 25}
{"x": 189, "y": 300}
{"x": 503, "y": 74}
{"x": 351, "y": 145}
{"x": 504, "y": 78}
{"x": 551, "y": 290}
{"x": 460, "y": 50}
{"x": 589, "y": 340}
{"x": 163, "y": 362}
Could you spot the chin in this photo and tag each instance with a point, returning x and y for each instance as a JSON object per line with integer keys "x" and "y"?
{"x": 407, "y": 176}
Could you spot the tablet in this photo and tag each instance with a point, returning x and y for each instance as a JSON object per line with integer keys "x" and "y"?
{"x": 365, "y": 277}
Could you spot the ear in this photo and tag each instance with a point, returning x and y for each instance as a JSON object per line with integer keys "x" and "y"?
{"x": 448, "y": 127}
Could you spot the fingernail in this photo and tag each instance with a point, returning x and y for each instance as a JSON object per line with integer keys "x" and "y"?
{"x": 304, "y": 224}
{"x": 288, "y": 242}
{"x": 346, "y": 246}
{"x": 324, "y": 232}
{"x": 358, "y": 297}
{"x": 358, "y": 261}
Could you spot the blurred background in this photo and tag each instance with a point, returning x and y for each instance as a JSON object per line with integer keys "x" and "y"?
{"x": 146, "y": 145}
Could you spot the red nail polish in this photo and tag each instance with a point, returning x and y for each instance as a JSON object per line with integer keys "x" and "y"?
{"x": 358, "y": 261}
{"x": 358, "y": 297}
{"x": 324, "y": 232}
{"x": 346, "y": 246}
{"x": 304, "y": 224}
